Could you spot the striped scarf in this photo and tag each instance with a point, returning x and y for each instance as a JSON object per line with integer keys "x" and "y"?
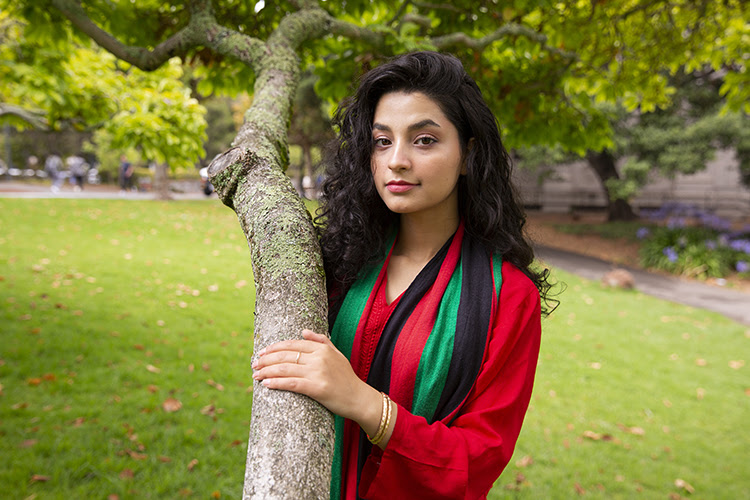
{"x": 430, "y": 351}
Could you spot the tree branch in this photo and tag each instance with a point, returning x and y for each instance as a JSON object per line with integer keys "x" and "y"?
{"x": 34, "y": 118}
{"x": 354, "y": 32}
{"x": 201, "y": 30}
{"x": 147, "y": 60}
{"x": 423, "y": 22}
{"x": 437, "y": 6}
{"x": 510, "y": 29}
{"x": 398, "y": 13}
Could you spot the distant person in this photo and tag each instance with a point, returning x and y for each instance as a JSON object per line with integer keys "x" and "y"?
{"x": 32, "y": 162}
{"x": 78, "y": 168}
{"x": 126, "y": 174}
{"x": 206, "y": 185}
{"x": 53, "y": 166}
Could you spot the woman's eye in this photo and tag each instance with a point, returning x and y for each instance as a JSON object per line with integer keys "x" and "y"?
{"x": 382, "y": 141}
{"x": 425, "y": 140}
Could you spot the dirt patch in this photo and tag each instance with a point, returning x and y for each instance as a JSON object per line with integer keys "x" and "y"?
{"x": 542, "y": 228}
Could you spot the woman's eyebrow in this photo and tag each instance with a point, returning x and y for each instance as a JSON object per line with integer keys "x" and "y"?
{"x": 414, "y": 126}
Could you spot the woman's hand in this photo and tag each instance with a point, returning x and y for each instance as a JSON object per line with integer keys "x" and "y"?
{"x": 315, "y": 368}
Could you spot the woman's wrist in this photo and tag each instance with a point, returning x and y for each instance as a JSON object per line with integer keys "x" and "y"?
{"x": 376, "y": 415}
{"x": 368, "y": 411}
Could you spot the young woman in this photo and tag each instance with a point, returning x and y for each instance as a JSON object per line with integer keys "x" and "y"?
{"x": 434, "y": 309}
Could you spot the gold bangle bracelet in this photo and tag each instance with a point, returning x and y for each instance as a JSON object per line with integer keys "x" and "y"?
{"x": 387, "y": 420}
{"x": 383, "y": 421}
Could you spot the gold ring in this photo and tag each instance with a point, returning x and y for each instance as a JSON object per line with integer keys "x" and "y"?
{"x": 299, "y": 353}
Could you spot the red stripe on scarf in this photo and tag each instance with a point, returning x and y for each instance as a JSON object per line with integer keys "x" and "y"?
{"x": 408, "y": 350}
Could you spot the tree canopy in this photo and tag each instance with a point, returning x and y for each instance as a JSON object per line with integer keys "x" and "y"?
{"x": 543, "y": 65}
{"x": 68, "y": 83}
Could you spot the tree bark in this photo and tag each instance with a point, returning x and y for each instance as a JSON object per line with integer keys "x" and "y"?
{"x": 603, "y": 164}
{"x": 291, "y": 436}
{"x": 161, "y": 182}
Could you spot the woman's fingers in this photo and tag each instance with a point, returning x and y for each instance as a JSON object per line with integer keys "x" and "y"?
{"x": 278, "y": 357}
{"x": 315, "y": 337}
{"x": 309, "y": 344}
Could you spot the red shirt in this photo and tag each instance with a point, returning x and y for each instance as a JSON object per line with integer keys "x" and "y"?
{"x": 462, "y": 460}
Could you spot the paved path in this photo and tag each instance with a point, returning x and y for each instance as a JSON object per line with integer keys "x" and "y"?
{"x": 15, "y": 189}
{"x": 731, "y": 303}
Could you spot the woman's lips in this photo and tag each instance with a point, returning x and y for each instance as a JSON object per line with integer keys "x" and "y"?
{"x": 399, "y": 186}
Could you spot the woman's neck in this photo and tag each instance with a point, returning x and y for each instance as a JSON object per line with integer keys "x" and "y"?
{"x": 421, "y": 237}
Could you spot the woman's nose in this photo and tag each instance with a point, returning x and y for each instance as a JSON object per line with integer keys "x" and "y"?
{"x": 399, "y": 158}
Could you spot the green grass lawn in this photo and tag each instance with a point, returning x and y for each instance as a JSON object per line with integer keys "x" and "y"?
{"x": 125, "y": 339}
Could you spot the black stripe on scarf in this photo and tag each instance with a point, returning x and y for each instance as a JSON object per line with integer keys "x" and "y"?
{"x": 472, "y": 328}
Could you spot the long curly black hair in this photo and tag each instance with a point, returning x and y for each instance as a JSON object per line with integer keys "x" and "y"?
{"x": 355, "y": 222}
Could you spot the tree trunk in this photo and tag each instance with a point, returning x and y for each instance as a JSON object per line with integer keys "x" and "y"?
{"x": 603, "y": 164}
{"x": 161, "y": 181}
{"x": 291, "y": 441}
{"x": 290, "y": 449}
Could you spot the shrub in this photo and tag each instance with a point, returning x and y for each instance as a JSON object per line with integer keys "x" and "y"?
{"x": 695, "y": 243}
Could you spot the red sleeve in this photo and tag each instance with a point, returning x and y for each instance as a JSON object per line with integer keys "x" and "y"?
{"x": 464, "y": 460}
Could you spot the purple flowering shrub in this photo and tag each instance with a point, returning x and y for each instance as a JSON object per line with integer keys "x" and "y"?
{"x": 692, "y": 242}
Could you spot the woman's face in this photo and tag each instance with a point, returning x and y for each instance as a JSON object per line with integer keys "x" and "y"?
{"x": 416, "y": 157}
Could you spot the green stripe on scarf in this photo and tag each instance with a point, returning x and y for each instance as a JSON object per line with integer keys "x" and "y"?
{"x": 497, "y": 271}
{"x": 437, "y": 353}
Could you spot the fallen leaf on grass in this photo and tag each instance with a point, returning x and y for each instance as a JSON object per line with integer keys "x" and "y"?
{"x": 153, "y": 369}
{"x": 28, "y": 443}
{"x": 135, "y": 455}
{"x": 127, "y": 474}
{"x": 39, "y": 478}
{"x": 235, "y": 443}
{"x": 215, "y": 385}
{"x": 34, "y": 381}
{"x": 113, "y": 497}
{"x": 171, "y": 405}
{"x": 192, "y": 464}
{"x": 736, "y": 364}
{"x": 579, "y": 489}
{"x": 638, "y": 431}
{"x": 152, "y": 388}
{"x": 595, "y": 436}
{"x": 164, "y": 459}
{"x": 209, "y": 410}
{"x": 525, "y": 461}
{"x": 681, "y": 483}
{"x": 216, "y": 494}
